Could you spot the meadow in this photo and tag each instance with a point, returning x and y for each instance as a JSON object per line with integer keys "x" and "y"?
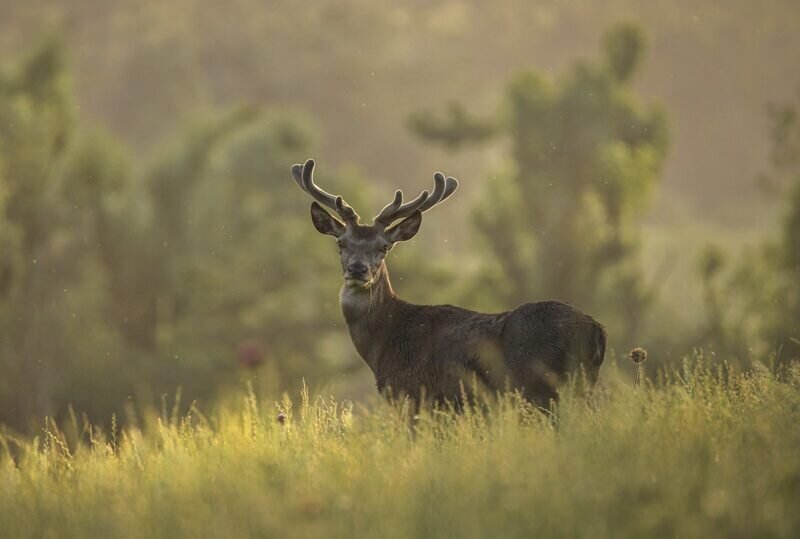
{"x": 699, "y": 451}
{"x": 637, "y": 160}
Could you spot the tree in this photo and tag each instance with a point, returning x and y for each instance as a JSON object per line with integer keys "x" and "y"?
{"x": 561, "y": 220}
{"x": 753, "y": 307}
{"x": 781, "y": 323}
{"x": 125, "y": 281}
{"x": 36, "y": 127}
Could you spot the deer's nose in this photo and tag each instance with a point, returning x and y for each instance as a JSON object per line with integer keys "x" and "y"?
{"x": 357, "y": 269}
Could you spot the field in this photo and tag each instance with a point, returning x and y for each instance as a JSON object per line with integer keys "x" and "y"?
{"x": 704, "y": 452}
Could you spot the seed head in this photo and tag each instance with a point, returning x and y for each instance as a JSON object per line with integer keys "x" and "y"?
{"x": 638, "y": 355}
{"x": 281, "y": 418}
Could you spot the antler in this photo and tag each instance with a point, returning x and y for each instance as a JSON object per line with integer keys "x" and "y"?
{"x": 443, "y": 188}
{"x": 304, "y": 176}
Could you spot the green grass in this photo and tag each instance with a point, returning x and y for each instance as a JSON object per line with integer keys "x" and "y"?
{"x": 703, "y": 453}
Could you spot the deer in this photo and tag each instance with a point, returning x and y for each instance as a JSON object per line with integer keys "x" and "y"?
{"x": 436, "y": 351}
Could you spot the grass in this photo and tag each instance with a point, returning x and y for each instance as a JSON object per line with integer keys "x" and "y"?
{"x": 705, "y": 452}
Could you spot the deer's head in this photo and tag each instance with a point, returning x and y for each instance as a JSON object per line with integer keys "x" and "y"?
{"x": 362, "y": 248}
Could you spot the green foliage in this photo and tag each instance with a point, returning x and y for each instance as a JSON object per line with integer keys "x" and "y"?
{"x": 707, "y": 453}
{"x": 561, "y": 222}
{"x": 457, "y": 128}
{"x": 122, "y": 280}
{"x": 755, "y": 304}
{"x": 782, "y": 321}
{"x": 624, "y": 46}
{"x": 35, "y": 129}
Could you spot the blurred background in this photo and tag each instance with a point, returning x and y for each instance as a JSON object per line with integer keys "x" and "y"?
{"x": 640, "y": 160}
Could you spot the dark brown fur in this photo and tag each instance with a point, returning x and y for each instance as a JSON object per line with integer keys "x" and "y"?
{"x": 437, "y": 348}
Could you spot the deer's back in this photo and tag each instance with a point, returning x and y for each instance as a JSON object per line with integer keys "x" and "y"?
{"x": 441, "y": 347}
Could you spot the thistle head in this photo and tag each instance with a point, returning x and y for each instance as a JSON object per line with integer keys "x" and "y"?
{"x": 638, "y": 355}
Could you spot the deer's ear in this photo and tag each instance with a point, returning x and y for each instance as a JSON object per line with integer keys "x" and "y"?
{"x": 324, "y": 222}
{"x": 405, "y": 229}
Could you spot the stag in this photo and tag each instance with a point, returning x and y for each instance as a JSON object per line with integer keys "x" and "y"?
{"x": 436, "y": 351}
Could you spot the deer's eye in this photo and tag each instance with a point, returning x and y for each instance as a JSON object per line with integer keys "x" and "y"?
{"x": 340, "y": 245}
{"x": 385, "y": 249}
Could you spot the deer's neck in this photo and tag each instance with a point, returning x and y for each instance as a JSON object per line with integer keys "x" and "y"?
{"x": 370, "y": 314}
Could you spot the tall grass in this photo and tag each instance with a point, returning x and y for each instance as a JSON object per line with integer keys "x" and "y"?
{"x": 705, "y": 452}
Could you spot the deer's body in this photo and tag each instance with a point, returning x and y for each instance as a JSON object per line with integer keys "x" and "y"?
{"x": 442, "y": 351}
